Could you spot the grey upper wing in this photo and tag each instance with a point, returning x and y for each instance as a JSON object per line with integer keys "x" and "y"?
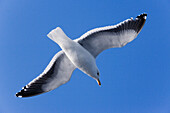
{"x": 99, "y": 39}
{"x": 57, "y": 73}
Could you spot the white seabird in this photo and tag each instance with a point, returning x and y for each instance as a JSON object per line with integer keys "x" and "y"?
{"x": 81, "y": 53}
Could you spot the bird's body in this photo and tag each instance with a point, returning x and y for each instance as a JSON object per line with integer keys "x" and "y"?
{"x": 81, "y": 53}
{"x": 78, "y": 55}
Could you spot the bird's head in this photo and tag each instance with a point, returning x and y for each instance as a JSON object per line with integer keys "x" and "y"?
{"x": 96, "y": 76}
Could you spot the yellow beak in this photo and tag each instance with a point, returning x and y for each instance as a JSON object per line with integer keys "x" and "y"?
{"x": 99, "y": 83}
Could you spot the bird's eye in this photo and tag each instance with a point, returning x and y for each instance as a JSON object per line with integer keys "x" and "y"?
{"x": 98, "y": 73}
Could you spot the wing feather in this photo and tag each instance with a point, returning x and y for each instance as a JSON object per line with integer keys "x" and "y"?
{"x": 99, "y": 39}
{"x": 58, "y": 72}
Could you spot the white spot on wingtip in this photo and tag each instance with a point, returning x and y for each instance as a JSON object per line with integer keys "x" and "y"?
{"x": 145, "y": 17}
{"x": 25, "y": 89}
{"x": 20, "y": 96}
{"x": 26, "y": 86}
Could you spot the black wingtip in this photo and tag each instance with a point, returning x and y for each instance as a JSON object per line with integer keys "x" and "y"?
{"x": 141, "y": 21}
{"x": 29, "y": 92}
{"x": 142, "y": 16}
{"x": 18, "y": 94}
{"x": 23, "y": 94}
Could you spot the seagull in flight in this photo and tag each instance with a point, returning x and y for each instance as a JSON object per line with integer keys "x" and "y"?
{"x": 81, "y": 53}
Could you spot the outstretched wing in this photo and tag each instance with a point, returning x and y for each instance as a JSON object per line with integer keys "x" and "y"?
{"x": 58, "y": 72}
{"x": 100, "y": 39}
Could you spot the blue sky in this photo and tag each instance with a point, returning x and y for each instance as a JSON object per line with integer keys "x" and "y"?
{"x": 135, "y": 78}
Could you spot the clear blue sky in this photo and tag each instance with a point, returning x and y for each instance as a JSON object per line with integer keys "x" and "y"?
{"x": 135, "y": 78}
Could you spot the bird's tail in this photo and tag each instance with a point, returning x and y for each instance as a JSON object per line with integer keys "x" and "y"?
{"x": 58, "y": 35}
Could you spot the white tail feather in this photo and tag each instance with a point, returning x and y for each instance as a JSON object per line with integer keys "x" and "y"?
{"x": 57, "y": 35}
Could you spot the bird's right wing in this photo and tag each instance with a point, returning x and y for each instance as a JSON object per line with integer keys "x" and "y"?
{"x": 100, "y": 39}
{"x": 58, "y": 72}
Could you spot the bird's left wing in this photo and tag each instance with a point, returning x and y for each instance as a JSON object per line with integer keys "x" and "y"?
{"x": 58, "y": 72}
{"x": 99, "y": 39}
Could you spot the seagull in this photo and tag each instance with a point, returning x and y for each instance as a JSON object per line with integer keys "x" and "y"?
{"x": 81, "y": 53}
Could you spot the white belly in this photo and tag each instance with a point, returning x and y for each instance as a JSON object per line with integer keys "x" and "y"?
{"x": 81, "y": 58}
